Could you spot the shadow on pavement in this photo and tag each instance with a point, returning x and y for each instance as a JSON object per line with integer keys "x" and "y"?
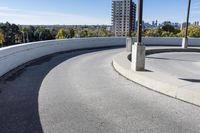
{"x": 192, "y": 80}
{"x": 19, "y": 111}
{"x": 161, "y": 58}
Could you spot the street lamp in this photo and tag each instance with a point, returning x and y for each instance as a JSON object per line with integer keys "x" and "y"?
{"x": 138, "y": 50}
{"x": 185, "y": 39}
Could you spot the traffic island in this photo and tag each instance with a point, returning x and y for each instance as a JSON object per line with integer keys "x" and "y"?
{"x": 160, "y": 81}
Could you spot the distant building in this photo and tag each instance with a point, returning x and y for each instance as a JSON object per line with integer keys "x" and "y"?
{"x": 109, "y": 28}
{"x": 176, "y": 25}
{"x": 183, "y": 25}
{"x": 196, "y": 23}
{"x": 123, "y": 16}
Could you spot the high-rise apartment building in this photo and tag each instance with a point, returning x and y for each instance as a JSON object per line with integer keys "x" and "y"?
{"x": 123, "y": 17}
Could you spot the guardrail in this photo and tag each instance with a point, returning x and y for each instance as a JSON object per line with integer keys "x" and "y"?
{"x": 14, "y": 56}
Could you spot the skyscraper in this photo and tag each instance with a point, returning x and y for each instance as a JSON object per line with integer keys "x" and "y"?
{"x": 123, "y": 17}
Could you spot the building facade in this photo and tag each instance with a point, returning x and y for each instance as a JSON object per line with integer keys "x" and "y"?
{"x": 123, "y": 17}
{"x": 183, "y": 25}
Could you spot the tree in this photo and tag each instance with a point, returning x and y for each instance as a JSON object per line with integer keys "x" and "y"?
{"x": 54, "y": 33}
{"x": 72, "y": 33}
{"x": 194, "y": 31}
{"x": 166, "y": 34}
{"x": 84, "y": 33}
{"x": 168, "y": 28}
{"x": 134, "y": 34}
{"x": 2, "y": 38}
{"x": 30, "y": 32}
{"x": 25, "y": 36}
{"x": 153, "y": 33}
{"x": 18, "y": 38}
{"x": 42, "y": 34}
{"x": 62, "y": 34}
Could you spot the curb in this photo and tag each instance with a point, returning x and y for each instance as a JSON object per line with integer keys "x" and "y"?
{"x": 173, "y": 87}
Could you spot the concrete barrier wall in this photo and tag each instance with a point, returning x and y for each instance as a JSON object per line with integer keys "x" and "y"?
{"x": 13, "y": 56}
{"x": 170, "y": 41}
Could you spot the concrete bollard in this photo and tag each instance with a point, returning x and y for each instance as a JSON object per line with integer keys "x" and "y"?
{"x": 129, "y": 43}
{"x": 185, "y": 42}
{"x": 138, "y": 57}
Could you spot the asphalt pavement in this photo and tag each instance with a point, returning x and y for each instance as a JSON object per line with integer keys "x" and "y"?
{"x": 80, "y": 92}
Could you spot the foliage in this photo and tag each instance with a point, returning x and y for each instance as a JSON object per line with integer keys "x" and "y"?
{"x": 42, "y": 34}
{"x": 71, "y": 33}
{"x": 62, "y": 34}
{"x": 194, "y": 31}
{"x": 168, "y": 28}
{"x": 153, "y": 33}
{"x": 9, "y": 30}
{"x": 2, "y": 38}
{"x": 11, "y": 34}
{"x": 165, "y": 31}
{"x": 134, "y": 34}
{"x": 84, "y": 33}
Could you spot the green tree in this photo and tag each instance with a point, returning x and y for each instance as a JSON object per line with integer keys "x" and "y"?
{"x": 168, "y": 28}
{"x": 72, "y": 33}
{"x": 18, "y": 38}
{"x": 42, "y": 34}
{"x": 25, "y": 36}
{"x": 54, "y": 33}
{"x": 9, "y": 31}
{"x": 62, "y": 34}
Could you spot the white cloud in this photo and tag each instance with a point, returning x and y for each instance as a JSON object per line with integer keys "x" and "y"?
{"x": 36, "y": 17}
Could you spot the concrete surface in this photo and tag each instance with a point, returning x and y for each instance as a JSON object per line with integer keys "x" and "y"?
{"x": 14, "y": 56}
{"x": 85, "y": 95}
{"x": 185, "y": 42}
{"x": 173, "y": 74}
{"x": 138, "y": 57}
{"x": 129, "y": 43}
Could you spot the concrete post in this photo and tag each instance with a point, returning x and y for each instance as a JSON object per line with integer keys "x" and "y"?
{"x": 138, "y": 57}
{"x": 185, "y": 42}
{"x": 129, "y": 43}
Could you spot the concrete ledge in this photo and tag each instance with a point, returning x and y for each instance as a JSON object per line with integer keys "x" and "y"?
{"x": 172, "y": 87}
{"x": 14, "y": 56}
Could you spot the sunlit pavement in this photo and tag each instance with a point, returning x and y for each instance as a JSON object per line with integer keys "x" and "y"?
{"x": 85, "y": 94}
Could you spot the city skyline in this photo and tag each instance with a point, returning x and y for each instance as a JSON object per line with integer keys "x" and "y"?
{"x": 89, "y": 12}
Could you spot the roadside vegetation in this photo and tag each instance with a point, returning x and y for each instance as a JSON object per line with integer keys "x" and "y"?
{"x": 11, "y": 34}
{"x": 170, "y": 31}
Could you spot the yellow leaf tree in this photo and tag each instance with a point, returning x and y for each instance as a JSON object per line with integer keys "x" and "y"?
{"x": 62, "y": 34}
{"x": 2, "y": 38}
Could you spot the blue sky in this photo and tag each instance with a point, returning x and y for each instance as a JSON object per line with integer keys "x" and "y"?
{"x": 89, "y": 11}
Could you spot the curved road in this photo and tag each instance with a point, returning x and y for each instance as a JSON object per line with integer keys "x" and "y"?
{"x": 85, "y": 95}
